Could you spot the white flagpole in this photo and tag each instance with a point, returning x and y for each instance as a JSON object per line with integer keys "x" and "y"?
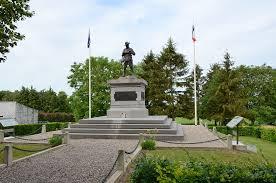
{"x": 195, "y": 96}
{"x": 90, "y": 102}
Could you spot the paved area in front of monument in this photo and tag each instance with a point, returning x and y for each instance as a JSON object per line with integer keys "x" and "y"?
{"x": 194, "y": 134}
{"x": 88, "y": 160}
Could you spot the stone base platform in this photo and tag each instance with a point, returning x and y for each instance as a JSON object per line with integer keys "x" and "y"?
{"x": 161, "y": 127}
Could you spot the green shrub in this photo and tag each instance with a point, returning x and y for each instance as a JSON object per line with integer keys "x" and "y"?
{"x": 145, "y": 171}
{"x": 252, "y": 131}
{"x": 27, "y": 129}
{"x": 55, "y": 141}
{"x": 268, "y": 134}
{"x": 56, "y": 117}
{"x": 155, "y": 169}
{"x": 55, "y": 125}
{"x": 148, "y": 144}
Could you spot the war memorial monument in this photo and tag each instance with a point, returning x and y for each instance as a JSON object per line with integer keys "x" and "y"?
{"x": 128, "y": 115}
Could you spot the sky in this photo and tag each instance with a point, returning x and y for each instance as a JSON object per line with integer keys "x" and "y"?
{"x": 56, "y": 36}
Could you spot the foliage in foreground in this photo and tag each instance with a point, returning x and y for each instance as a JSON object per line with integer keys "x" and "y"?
{"x": 155, "y": 169}
{"x": 55, "y": 141}
{"x": 11, "y": 12}
{"x": 149, "y": 144}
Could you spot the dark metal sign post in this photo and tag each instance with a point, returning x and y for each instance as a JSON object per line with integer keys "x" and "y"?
{"x": 237, "y": 134}
{"x": 235, "y": 123}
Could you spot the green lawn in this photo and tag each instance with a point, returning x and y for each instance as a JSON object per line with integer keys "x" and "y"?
{"x": 19, "y": 154}
{"x": 185, "y": 121}
{"x": 267, "y": 148}
{"x": 208, "y": 155}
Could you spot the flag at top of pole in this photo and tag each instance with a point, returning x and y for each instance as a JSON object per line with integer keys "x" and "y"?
{"x": 89, "y": 40}
{"x": 193, "y": 34}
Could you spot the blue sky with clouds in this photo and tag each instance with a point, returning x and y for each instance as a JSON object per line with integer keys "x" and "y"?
{"x": 57, "y": 35}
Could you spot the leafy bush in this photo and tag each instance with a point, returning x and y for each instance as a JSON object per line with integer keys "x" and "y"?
{"x": 29, "y": 129}
{"x": 148, "y": 144}
{"x": 26, "y": 129}
{"x": 253, "y": 131}
{"x": 55, "y": 141}
{"x": 145, "y": 171}
{"x": 55, "y": 125}
{"x": 268, "y": 134}
{"x": 56, "y": 117}
{"x": 155, "y": 169}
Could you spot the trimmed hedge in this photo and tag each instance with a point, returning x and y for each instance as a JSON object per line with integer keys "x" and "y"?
{"x": 268, "y": 134}
{"x": 252, "y": 131}
{"x": 56, "y": 117}
{"x": 27, "y": 129}
{"x": 155, "y": 169}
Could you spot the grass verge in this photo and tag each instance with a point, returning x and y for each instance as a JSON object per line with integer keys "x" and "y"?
{"x": 20, "y": 154}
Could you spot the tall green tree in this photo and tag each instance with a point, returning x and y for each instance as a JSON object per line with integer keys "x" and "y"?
{"x": 164, "y": 74}
{"x": 258, "y": 86}
{"x": 224, "y": 97}
{"x": 186, "y": 99}
{"x": 103, "y": 70}
{"x": 28, "y": 97}
{"x": 11, "y": 12}
{"x": 153, "y": 73}
{"x": 175, "y": 67}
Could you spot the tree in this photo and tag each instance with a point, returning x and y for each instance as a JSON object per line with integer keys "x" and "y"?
{"x": 175, "y": 67}
{"x": 257, "y": 84}
{"x": 186, "y": 99}
{"x": 164, "y": 74}
{"x": 153, "y": 73}
{"x": 103, "y": 70}
{"x": 11, "y": 11}
{"x": 28, "y": 97}
{"x": 44, "y": 100}
{"x": 224, "y": 97}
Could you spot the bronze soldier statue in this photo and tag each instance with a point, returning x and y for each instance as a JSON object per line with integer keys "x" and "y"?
{"x": 127, "y": 58}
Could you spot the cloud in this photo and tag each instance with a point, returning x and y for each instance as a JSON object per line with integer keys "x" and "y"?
{"x": 56, "y": 36}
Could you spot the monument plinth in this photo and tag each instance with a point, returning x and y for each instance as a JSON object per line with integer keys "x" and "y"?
{"x": 127, "y": 116}
{"x": 127, "y": 98}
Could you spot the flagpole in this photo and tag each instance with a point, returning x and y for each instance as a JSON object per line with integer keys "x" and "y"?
{"x": 89, "y": 79}
{"x": 195, "y": 96}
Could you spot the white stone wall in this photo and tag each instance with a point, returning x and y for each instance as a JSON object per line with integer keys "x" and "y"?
{"x": 21, "y": 113}
{"x": 7, "y": 109}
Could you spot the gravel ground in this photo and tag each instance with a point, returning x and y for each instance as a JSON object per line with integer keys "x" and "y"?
{"x": 86, "y": 160}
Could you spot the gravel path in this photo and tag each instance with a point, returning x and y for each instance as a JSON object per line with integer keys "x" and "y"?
{"x": 87, "y": 160}
{"x": 196, "y": 134}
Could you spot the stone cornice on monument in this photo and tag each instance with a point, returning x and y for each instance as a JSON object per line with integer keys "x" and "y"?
{"x": 127, "y": 80}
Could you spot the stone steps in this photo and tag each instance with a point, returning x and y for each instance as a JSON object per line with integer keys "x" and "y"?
{"x": 167, "y": 125}
{"x": 121, "y": 131}
{"x": 179, "y": 136}
{"x": 161, "y": 127}
{"x": 105, "y": 120}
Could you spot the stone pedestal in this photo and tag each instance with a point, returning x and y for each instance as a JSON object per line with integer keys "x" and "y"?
{"x": 127, "y": 98}
{"x": 127, "y": 117}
